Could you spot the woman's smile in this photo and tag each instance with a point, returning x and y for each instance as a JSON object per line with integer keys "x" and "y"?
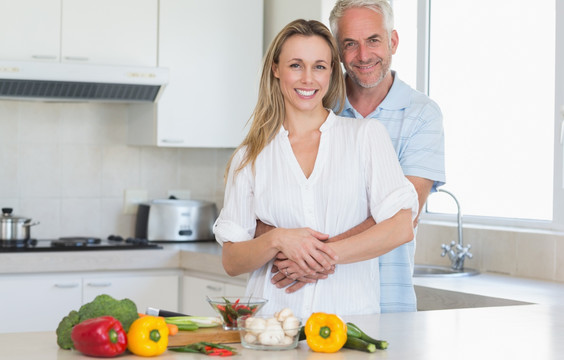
{"x": 306, "y": 93}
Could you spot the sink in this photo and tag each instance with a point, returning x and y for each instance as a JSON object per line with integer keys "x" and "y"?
{"x": 441, "y": 271}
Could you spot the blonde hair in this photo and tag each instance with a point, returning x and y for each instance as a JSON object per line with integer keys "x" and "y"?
{"x": 269, "y": 112}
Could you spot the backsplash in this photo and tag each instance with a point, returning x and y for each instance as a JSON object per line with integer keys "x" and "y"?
{"x": 510, "y": 251}
{"x": 68, "y": 166}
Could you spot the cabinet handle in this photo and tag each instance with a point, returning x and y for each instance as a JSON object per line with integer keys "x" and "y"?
{"x": 213, "y": 288}
{"x": 99, "y": 284}
{"x": 77, "y": 58}
{"x": 44, "y": 57}
{"x": 172, "y": 141}
{"x": 66, "y": 286}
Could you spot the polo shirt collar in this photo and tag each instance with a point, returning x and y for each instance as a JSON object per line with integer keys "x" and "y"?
{"x": 397, "y": 98}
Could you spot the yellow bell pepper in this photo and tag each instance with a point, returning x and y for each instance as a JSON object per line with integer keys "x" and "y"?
{"x": 148, "y": 336}
{"x": 325, "y": 332}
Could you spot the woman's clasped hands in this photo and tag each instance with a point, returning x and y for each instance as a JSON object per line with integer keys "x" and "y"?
{"x": 304, "y": 255}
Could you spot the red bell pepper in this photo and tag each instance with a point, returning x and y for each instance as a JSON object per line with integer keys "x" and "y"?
{"x": 102, "y": 336}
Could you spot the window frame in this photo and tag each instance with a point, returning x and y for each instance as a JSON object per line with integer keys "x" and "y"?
{"x": 422, "y": 84}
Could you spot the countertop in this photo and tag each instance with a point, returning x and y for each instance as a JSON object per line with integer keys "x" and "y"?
{"x": 503, "y": 332}
{"x": 169, "y": 257}
{"x": 512, "y": 332}
{"x": 205, "y": 257}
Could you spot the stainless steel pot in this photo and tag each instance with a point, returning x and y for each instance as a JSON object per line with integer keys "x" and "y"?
{"x": 14, "y": 228}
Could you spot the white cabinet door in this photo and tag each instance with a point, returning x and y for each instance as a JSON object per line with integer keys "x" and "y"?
{"x": 117, "y": 32}
{"x": 30, "y": 30}
{"x": 158, "y": 291}
{"x": 194, "y": 295}
{"x": 213, "y": 50}
{"x": 235, "y": 290}
{"x": 38, "y": 302}
{"x": 195, "y": 290}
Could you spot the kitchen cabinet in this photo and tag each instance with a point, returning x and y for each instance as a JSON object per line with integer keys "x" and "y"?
{"x": 195, "y": 290}
{"x": 213, "y": 50}
{"x": 106, "y": 32}
{"x": 158, "y": 291}
{"x": 30, "y": 30}
{"x": 110, "y": 32}
{"x": 38, "y": 302}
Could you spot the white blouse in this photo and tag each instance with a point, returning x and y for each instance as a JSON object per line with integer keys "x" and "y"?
{"x": 356, "y": 174}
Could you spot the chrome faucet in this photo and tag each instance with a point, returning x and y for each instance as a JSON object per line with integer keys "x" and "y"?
{"x": 457, "y": 252}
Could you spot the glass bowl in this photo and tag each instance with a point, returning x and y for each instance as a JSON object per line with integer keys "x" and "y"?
{"x": 230, "y": 308}
{"x": 267, "y": 333}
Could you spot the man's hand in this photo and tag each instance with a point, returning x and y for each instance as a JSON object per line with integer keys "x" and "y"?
{"x": 282, "y": 280}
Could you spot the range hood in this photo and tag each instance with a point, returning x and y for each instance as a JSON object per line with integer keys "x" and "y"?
{"x": 80, "y": 82}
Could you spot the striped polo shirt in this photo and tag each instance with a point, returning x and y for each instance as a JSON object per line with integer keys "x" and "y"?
{"x": 415, "y": 125}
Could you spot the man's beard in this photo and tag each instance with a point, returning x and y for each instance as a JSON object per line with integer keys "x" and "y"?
{"x": 385, "y": 69}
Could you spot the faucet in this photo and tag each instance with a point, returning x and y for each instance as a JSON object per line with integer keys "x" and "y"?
{"x": 457, "y": 252}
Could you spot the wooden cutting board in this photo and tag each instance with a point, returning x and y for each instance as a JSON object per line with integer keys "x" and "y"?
{"x": 215, "y": 334}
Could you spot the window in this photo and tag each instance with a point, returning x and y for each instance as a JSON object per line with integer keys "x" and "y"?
{"x": 492, "y": 70}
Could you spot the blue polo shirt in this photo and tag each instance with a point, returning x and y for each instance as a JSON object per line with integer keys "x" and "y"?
{"x": 415, "y": 125}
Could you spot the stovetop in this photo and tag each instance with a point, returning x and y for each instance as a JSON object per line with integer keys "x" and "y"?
{"x": 77, "y": 244}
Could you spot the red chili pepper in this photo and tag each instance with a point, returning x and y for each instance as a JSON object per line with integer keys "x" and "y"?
{"x": 102, "y": 336}
{"x": 221, "y": 352}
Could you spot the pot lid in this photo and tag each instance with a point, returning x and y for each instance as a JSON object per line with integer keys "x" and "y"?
{"x": 8, "y": 217}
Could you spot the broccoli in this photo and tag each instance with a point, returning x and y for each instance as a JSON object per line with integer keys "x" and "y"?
{"x": 64, "y": 329}
{"x": 103, "y": 305}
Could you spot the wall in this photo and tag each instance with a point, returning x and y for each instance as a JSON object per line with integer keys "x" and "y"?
{"x": 278, "y": 13}
{"x": 67, "y": 166}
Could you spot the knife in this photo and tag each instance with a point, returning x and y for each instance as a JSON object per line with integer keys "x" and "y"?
{"x": 162, "y": 313}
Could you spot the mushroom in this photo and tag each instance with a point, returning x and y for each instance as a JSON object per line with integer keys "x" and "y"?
{"x": 291, "y": 325}
{"x": 283, "y": 314}
{"x": 287, "y": 341}
{"x": 272, "y": 322}
{"x": 255, "y": 325}
{"x": 271, "y": 336}
{"x": 250, "y": 338}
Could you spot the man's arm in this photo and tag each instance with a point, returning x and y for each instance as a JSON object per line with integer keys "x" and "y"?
{"x": 422, "y": 187}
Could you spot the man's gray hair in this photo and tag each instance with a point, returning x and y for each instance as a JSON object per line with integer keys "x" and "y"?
{"x": 382, "y": 7}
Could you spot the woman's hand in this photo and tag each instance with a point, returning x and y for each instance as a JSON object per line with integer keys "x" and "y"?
{"x": 288, "y": 273}
{"x": 306, "y": 248}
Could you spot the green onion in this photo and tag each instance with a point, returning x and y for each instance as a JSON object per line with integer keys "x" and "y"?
{"x": 198, "y": 321}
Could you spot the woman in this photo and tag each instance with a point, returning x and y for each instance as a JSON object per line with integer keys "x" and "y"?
{"x": 312, "y": 175}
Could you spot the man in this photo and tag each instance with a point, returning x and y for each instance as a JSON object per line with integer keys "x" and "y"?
{"x": 367, "y": 41}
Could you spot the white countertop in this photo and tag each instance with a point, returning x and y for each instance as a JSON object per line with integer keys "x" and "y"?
{"x": 503, "y": 332}
{"x": 205, "y": 257}
{"x": 512, "y": 332}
